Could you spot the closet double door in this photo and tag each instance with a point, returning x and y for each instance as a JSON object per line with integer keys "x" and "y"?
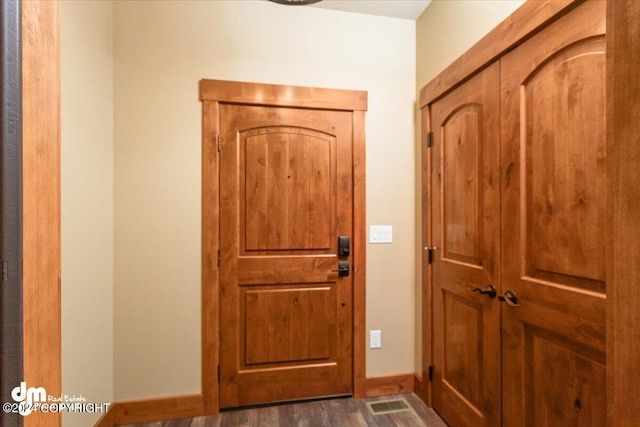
{"x": 518, "y": 203}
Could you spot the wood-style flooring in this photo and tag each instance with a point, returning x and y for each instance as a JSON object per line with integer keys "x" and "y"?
{"x": 330, "y": 413}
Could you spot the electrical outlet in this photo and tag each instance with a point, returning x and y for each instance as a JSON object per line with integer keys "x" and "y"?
{"x": 375, "y": 339}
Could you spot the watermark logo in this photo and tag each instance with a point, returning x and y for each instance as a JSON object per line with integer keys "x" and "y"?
{"x": 28, "y": 396}
{"x": 33, "y": 399}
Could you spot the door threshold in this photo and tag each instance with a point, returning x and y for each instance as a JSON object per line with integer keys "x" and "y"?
{"x": 287, "y": 402}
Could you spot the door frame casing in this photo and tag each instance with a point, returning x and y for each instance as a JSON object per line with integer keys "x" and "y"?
{"x": 41, "y": 244}
{"x": 214, "y": 92}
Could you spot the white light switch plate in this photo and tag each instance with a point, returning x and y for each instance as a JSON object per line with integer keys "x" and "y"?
{"x": 380, "y": 234}
{"x": 375, "y": 339}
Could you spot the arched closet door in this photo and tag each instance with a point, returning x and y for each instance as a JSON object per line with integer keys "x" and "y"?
{"x": 517, "y": 209}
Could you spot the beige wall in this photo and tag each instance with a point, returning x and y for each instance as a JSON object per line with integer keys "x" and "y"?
{"x": 87, "y": 204}
{"x": 149, "y": 79}
{"x": 162, "y": 50}
{"x": 446, "y": 29}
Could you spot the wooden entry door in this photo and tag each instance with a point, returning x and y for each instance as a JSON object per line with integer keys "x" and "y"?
{"x": 466, "y": 232}
{"x": 286, "y": 195}
{"x": 553, "y": 219}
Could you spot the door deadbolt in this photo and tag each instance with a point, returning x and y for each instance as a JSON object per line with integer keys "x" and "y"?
{"x": 344, "y": 246}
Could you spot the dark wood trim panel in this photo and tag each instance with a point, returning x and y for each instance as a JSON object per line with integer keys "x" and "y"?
{"x": 519, "y": 26}
{"x": 391, "y": 384}
{"x": 160, "y": 409}
{"x": 360, "y": 257}
{"x": 623, "y": 192}
{"x": 282, "y": 96}
{"x": 210, "y": 270}
{"x": 41, "y": 201}
{"x": 11, "y": 330}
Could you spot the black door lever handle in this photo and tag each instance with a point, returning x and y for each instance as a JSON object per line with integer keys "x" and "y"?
{"x": 490, "y": 291}
{"x": 343, "y": 269}
{"x": 510, "y": 298}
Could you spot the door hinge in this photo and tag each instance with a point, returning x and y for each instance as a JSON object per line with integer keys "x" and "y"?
{"x": 219, "y": 143}
{"x": 218, "y": 258}
{"x": 430, "y": 372}
{"x": 429, "y": 139}
{"x": 218, "y": 373}
{"x": 5, "y": 271}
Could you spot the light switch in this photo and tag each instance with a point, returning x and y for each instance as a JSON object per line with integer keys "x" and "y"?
{"x": 375, "y": 339}
{"x": 380, "y": 234}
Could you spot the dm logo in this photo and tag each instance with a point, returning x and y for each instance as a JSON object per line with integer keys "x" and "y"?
{"x": 28, "y": 397}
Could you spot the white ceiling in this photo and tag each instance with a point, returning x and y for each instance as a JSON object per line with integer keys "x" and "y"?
{"x": 406, "y": 9}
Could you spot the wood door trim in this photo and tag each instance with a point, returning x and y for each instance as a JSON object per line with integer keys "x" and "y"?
{"x": 210, "y": 249}
{"x": 41, "y": 201}
{"x": 212, "y": 93}
{"x": 360, "y": 257}
{"x": 420, "y": 388}
{"x": 282, "y": 96}
{"x": 149, "y": 410}
{"x": 107, "y": 419}
{"x": 623, "y": 268}
{"x": 427, "y": 238}
{"x": 390, "y": 384}
{"x": 158, "y": 409}
{"x": 515, "y": 29}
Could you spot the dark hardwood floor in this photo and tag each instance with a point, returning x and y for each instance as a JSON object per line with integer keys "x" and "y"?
{"x": 330, "y": 413}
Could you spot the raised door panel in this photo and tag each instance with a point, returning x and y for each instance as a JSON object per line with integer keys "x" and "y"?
{"x": 553, "y": 213}
{"x": 288, "y": 326}
{"x": 564, "y": 167}
{"x": 285, "y": 195}
{"x": 288, "y": 183}
{"x": 564, "y": 380}
{"x": 465, "y": 224}
{"x": 461, "y": 142}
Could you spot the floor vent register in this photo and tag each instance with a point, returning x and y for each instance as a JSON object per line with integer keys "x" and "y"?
{"x": 388, "y": 406}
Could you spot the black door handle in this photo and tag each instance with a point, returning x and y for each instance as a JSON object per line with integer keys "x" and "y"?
{"x": 510, "y": 298}
{"x": 343, "y": 269}
{"x": 490, "y": 291}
